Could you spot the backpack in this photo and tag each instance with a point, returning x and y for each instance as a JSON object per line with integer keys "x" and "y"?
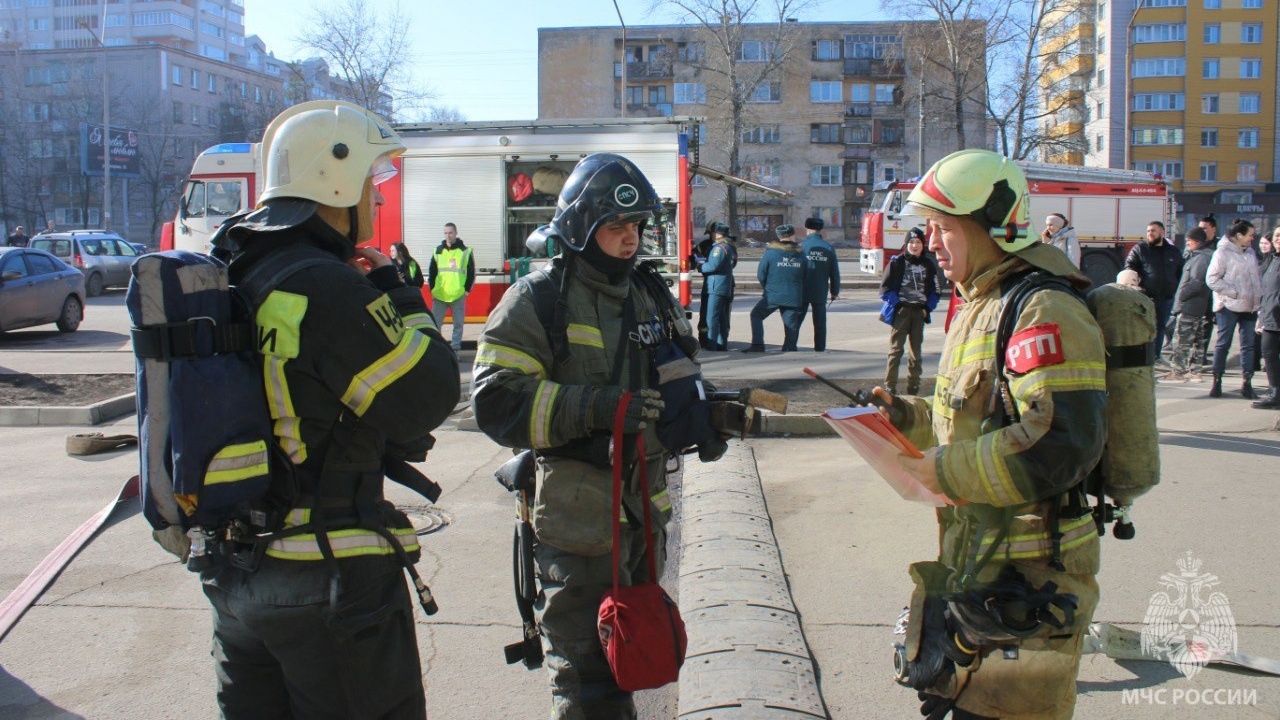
{"x": 1130, "y": 464}
{"x": 208, "y": 452}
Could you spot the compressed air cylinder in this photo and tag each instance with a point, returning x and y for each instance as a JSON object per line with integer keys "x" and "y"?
{"x": 1131, "y": 462}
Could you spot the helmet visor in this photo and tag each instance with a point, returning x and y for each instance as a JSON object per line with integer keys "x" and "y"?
{"x": 629, "y": 217}
{"x": 382, "y": 170}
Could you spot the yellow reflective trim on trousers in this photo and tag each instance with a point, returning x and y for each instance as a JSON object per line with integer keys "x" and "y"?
{"x": 385, "y": 370}
{"x": 237, "y": 462}
{"x": 662, "y": 500}
{"x": 1075, "y": 532}
{"x": 992, "y": 472}
{"x": 349, "y": 542}
{"x": 509, "y": 358}
{"x": 584, "y": 335}
{"x": 1066, "y": 377}
{"x": 983, "y": 348}
{"x": 544, "y": 402}
{"x": 287, "y": 426}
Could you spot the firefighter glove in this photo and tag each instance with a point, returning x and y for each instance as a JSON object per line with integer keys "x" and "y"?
{"x": 645, "y": 406}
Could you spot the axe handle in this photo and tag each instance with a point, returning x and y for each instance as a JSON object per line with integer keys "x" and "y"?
{"x": 832, "y": 385}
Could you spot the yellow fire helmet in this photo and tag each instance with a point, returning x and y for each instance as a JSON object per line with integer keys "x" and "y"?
{"x": 324, "y": 150}
{"x": 983, "y": 185}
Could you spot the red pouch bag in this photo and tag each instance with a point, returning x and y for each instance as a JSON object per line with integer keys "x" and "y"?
{"x": 640, "y": 626}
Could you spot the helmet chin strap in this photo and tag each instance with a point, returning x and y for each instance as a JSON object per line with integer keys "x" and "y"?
{"x": 353, "y": 232}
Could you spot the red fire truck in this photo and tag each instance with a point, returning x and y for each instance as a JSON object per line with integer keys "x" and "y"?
{"x": 497, "y": 181}
{"x": 1109, "y": 209}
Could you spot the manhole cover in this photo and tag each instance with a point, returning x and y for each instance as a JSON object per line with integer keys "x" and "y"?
{"x": 427, "y": 520}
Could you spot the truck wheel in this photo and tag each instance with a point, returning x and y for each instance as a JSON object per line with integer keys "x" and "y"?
{"x": 1101, "y": 268}
{"x": 93, "y": 285}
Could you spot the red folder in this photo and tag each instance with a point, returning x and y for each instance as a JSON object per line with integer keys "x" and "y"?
{"x": 880, "y": 444}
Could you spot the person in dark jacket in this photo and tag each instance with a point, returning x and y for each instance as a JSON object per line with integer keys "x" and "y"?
{"x": 696, "y": 258}
{"x": 717, "y": 286}
{"x": 910, "y": 292}
{"x": 17, "y": 238}
{"x": 1192, "y": 301}
{"x": 1269, "y": 331}
{"x": 1267, "y": 250}
{"x": 408, "y": 268}
{"x": 822, "y": 280}
{"x": 357, "y": 378}
{"x": 781, "y": 273}
{"x": 1159, "y": 266}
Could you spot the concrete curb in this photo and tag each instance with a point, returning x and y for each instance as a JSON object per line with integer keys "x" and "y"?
{"x": 747, "y": 655}
{"x": 795, "y": 426}
{"x": 96, "y": 414}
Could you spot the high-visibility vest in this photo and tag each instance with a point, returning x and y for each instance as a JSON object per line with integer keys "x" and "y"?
{"x": 451, "y": 274}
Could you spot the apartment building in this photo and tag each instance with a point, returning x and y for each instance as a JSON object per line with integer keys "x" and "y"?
{"x": 840, "y": 113}
{"x": 1183, "y": 88}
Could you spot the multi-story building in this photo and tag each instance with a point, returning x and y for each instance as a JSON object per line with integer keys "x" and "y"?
{"x": 839, "y": 112}
{"x": 1183, "y": 88}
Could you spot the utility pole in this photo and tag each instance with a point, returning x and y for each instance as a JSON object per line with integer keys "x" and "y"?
{"x": 920, "y": 124}
{"x": 623, "y": 102}
{"x": 100, "y": 38}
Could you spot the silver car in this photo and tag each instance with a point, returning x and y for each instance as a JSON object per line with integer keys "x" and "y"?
{"x": 104, "y": 257}
{"x": 37, "y": 288}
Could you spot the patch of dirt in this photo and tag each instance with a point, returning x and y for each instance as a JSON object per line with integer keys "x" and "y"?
{"x": 810, "y": 397}
{"x": 25, "y": 390}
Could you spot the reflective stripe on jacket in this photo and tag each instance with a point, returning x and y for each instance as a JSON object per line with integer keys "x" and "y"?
{"x": 451, "y": 273}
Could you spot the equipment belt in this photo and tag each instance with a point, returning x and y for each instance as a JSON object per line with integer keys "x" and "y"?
{"x": 1075, "y": 532}
{"x": 1130, "y": 356}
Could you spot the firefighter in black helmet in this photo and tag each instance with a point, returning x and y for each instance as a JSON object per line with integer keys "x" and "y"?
{"x": 556, "y": 390}
{"x": 356, "y": 377}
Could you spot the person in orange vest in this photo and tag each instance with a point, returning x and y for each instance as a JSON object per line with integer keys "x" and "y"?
{"x": 451, "y": 274}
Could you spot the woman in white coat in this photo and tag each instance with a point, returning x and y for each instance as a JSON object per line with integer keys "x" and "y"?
{"x": 1237, "y": 293}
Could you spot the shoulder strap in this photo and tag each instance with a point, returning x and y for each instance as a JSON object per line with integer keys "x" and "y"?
{"x": 267, "y": 273}
{"x": 1011, "y": 305}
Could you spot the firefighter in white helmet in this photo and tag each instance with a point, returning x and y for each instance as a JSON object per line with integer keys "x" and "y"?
{"x": 356, "y": 377}
{"x": 1011, "y": 442}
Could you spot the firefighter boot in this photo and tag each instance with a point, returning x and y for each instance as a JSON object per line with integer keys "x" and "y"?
{"x": 1216, "y": 390}
{"x": 1246, "y": 388}
{"x": 1269, "y": 401}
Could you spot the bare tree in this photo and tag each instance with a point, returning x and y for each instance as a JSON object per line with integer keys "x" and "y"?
{"x": 724, "y": 27}
{"x": 439, "y": 113}
{"x": 369, "y": 46}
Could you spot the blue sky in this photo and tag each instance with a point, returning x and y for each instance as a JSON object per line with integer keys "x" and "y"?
{"x": 481, "y": 55}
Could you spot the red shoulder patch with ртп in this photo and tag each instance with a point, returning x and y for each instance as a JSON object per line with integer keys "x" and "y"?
{"x": 1035, "y": 347}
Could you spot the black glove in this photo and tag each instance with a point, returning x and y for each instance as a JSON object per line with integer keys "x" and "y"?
{"x": 935, "y": 707}
{"x": 645, "y": 405}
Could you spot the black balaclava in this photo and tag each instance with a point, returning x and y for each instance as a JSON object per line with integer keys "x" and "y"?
{"x": 615, "y": 269}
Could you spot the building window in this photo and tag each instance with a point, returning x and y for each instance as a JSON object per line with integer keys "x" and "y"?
{"x": 826, "y": 91}
{"x": 195, "y": 115}
{"x": 1163, "y": 3}
{"x": 890, "y": 173}
{"x": 891, "y": 132}
{"x": 1209, "y": 137}
{"x": 175, "y": 75}
{"x": 1210, "y": 68}
{"x": 1102, "y": 45}
{"x": 860, "y": 93}
{"x": 212, "y": 117}
{"x": 1170, "y": 170}
{"x": 873, "y": 46}
{"x": 1213, "y": 5}
{"x": 1212, "y": 33}
{"x": 213, "y": 83}
{"x": 1248, "y": 138}
{"x": 1250, "y": 103}
{"x": 1098, "y": 144}
{"x": 1102, "y": 110}
{"x": 244, "y": 90}
{"x": 826, "y": 49}
{"x": 859, "y": 134}
{"x": 635, "y": 94}
{"x": 884, "y": 94}
{"x": 1159, "y": 101}
{"x": 766, "y": 92}
{"x": 195, "y": 79}
{"x": 37, "y": 112}
{"x": 762, "y": 134}
{"x": 1252, "y": 4}
{"x": 831, "y": 216}
{"x": 764, "y": 173}
{"x": 1157, "y": 136}
{"x": 117, "y": 20}
{"x": 691, "y": 94}
{"x": 163, "y": 18}
{"x": 1162, "y": 32}
{"x": 1208, "y": 171}
{"x": 1251, "y": 68}
{"x": 657, "y": 94}
{"x": 40, "y": 148}
{"x": 824, "y": 133}
{"x": 1102, "y": 10}
{"x": 1247, "y": 172}
{"x": 757, "y": 51}
{"x": 1209, "y": 103}
{"x": 210, "y": 29}
{"x": 178, "y": 114}
{"x": 825, "y": 175}
{"x": 691, "y": 52}
{"x": 1251, "y": 33}
{"x": 1102, "y": 76}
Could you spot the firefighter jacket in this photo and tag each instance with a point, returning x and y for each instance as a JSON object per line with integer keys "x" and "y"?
{"x": 822, "y": 277}
{"x": 525, "y": 398}
{"x": 339, "y": 344}
{"x": 718, "y": 269}
{"x": 1159, "y": 268}
{"x": 452, "y": 272}
{"x": 781, "y": 274}
{"x": 1056, "y": 369}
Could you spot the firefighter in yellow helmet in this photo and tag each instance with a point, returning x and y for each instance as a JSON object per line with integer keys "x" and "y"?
{"x": 318, "y": 622}
{"x": 996, "y": 624}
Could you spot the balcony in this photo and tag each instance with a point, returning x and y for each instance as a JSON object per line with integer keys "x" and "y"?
{"x": 652, "y": 70}
{"x": 862, "y": 151}
{"x": 873, "y": 67}
{"x": 1067, "y": 158}
{"x": 873, "y": 109}
{"x": 1077, "y": 65}
{"x": 1066, "y": 129}
{"x": 646, "y": 109}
